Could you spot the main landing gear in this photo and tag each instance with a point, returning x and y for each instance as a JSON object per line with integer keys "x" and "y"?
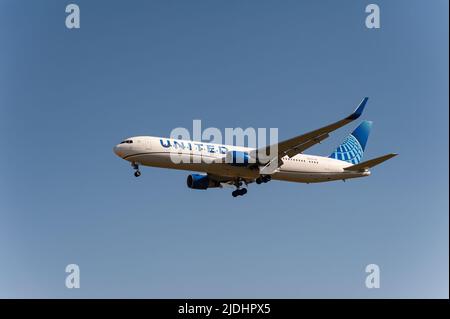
{"x": 242, "y": 191}
{"x": 137, "y": 172}
{"x": 239, "y": 191}
{"x": 263, "y": 179}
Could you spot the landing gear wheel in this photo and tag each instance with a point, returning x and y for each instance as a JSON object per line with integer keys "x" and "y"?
{"x": 264, "y": 179}
{"x": 239, "y": 192}
{"x": 135, "y": 166}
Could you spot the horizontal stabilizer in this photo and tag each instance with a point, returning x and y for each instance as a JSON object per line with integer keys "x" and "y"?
{"x": 370, "y": 163}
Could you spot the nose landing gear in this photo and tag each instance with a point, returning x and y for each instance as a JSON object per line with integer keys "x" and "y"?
{"x": 137, "y": 172}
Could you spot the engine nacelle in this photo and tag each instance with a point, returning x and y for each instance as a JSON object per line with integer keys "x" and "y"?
{"x": 237, "y": 158}
{"x": 199, "y": 181}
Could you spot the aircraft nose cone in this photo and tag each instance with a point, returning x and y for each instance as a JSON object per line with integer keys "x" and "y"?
{"x": 117, "y": 150}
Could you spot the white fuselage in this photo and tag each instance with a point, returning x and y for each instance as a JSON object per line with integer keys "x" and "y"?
{"x": 205, "y": 157}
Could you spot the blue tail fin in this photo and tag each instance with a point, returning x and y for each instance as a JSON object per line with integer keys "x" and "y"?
{"x": 352, "y": 149}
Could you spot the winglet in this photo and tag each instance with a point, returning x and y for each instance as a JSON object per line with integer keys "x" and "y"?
{"x": 359, "y": 110}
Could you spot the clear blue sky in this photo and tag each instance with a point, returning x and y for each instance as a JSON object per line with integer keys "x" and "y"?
{"x": 145, "y": 67}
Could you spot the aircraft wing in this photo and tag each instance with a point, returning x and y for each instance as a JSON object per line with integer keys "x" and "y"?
{"x": 226, "y": 180}
{"x": 298, "y": 144}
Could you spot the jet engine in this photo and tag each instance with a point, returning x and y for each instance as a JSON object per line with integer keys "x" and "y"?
{"x": 199, "y": 181}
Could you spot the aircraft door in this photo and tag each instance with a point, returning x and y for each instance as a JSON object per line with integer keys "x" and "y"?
{"x": 148, "y": 144}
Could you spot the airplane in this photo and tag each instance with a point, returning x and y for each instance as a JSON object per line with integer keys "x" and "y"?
{"x": 237, "y": 166}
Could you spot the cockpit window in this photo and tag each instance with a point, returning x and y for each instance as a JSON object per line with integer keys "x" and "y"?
{"x": 127, "y": 142}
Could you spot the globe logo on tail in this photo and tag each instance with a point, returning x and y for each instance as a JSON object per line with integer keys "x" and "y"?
{"x": 350, "y": 151}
